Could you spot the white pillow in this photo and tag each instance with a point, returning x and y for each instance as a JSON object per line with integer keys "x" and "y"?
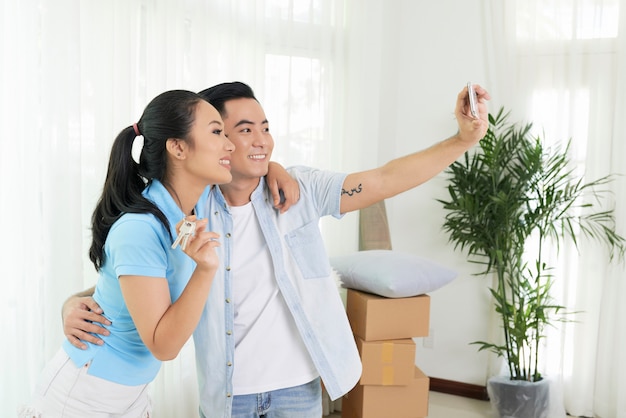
{"x": 390, "y": 273}
{"x": 343, "y": 294}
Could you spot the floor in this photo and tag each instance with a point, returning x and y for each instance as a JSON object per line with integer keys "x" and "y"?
{"x": 441, "y": 405}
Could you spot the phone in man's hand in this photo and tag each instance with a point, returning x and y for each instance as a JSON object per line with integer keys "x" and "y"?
{"x": 473, "y": 102}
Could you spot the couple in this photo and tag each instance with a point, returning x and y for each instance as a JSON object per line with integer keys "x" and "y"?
{"x": 273, "y": 324}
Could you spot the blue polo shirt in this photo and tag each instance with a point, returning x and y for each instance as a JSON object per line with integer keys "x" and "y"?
{"x": 137, "y": 245}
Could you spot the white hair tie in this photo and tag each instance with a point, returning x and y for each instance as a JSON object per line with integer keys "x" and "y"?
{"x": 137, "y": 147}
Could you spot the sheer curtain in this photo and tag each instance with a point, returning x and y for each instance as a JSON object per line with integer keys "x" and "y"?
{"x": 74, "y": 73}
{"x": 562, "y": 65}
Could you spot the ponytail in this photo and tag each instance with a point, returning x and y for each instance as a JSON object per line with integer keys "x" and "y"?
{"x": 122, "y": 193}
{"x": 169, "y": 115}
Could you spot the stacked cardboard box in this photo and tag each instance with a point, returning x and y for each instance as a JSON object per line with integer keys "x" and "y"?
{"x": 391, "y": 385}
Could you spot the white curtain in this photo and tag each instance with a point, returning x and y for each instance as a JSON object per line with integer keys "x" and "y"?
{"x": 76, "y": 72}
{"x": 562, "y": 65}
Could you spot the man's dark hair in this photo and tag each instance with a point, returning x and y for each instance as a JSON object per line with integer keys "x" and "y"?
{"x": 221, "y": 93}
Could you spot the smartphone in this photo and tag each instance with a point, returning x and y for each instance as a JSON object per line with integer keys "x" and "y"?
{"x": 473, "y": 102}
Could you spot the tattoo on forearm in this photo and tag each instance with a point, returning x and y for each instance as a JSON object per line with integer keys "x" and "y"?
{"x": 357, "y": 189}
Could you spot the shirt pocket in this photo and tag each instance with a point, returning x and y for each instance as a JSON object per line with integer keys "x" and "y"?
{"x": 307, "y": 248}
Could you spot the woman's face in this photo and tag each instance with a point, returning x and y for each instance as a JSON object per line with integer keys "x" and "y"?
{"x": 208, "y": 157}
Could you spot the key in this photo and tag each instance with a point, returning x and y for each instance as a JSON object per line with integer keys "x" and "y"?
{"x": 186, "y": 230}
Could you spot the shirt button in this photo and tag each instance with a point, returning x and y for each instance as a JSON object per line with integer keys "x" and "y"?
{"x": 216, "y": 213}
{"x": 228, "y": 235}
{"x": 229, "y": 364}
{"x": 228, "y": 268}
{"x": 228, "y": 395}
{"x": 229, "y": 332}
{"x": 227, "y": 300}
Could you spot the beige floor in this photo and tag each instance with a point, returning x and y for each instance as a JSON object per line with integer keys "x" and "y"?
{"x": 441, "y": 405}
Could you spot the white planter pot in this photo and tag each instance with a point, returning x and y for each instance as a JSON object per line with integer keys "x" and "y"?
{"x": 519, "y": 398}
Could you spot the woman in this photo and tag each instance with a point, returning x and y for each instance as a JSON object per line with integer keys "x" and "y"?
{"x": 152, "y": 293}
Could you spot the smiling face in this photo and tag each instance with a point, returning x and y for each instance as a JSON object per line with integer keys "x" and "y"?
{"x": 247, "y": 127}
{"x": 209, "y": 156}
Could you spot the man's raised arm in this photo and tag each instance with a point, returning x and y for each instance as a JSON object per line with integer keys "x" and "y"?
{"x": 365, "y": 188}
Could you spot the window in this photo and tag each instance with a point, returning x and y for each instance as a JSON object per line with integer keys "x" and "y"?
{"x": 301, "y": 59}
{"x": 292, "y": 81}
{"x": 297, "y": 11}
{"x": 566, "y": 19}
{"x": 556, "y": 112}
{"x": 565, "y": 75}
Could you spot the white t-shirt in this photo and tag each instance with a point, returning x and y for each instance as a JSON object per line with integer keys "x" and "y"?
{"x": 269, "y": 352}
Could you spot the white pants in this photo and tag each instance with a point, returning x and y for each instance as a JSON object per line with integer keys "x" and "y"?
{"x": 67, "y": 391}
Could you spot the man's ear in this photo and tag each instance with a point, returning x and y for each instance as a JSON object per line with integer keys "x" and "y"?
{"x": 176, "y": 147}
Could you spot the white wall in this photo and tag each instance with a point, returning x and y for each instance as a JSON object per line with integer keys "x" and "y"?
{"x": 428, "y": 54}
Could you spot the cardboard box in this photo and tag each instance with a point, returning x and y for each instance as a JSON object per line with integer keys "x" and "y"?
{"x": 347, "y": 409}
{"x": 387, "y": 362}
{"x": 409, "y": 401}
{"x": 375, "y": 317}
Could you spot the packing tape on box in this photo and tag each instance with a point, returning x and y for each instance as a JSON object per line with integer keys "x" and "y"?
{"x": 387, "y": 376}
{"x": 386, "y": 355}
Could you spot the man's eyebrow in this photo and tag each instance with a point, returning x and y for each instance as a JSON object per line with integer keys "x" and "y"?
{"x": 249, "y": 122}
{"x": 244, "y": 122}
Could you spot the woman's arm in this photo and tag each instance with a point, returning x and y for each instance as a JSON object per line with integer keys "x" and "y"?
{"x": 164, "y": 326}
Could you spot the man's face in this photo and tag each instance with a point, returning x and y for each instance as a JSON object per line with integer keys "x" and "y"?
{"x": 245, "y": 126}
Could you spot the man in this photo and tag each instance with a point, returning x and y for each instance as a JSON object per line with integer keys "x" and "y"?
{"x": 274, "y": 323}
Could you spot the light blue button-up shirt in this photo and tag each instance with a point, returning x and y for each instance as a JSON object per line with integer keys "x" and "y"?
{"x": 303, "y": 274}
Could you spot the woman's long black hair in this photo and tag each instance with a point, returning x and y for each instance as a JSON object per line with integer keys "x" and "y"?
{"x": 169, "y": 115}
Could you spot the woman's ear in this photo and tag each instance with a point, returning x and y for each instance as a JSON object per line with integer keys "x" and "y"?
{"x": 176, "y": 147}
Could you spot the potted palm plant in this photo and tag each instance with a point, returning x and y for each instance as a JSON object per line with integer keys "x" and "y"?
{"x": 507, "y": 200}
